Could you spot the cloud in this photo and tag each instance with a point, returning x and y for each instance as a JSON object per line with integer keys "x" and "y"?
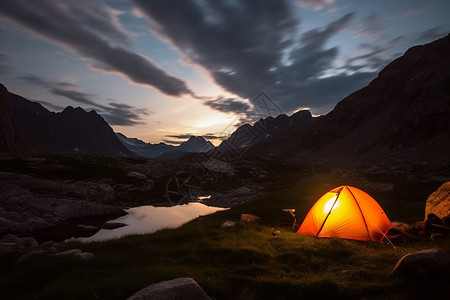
{"x": 49, "y": 105}
{"x": 324, "y": 93}
{"x": 430, "y": 35}
{"x": 115, "y": 113}
{"x": 5, "y": 66}
{"x": 232, "y": 105}
{"x": 315, "y": 4}
{"x": 208, "y": 136}
{"x": 171, "y": 142}
{"x": 93, "y": 34}
{"x": 248, "y": 46}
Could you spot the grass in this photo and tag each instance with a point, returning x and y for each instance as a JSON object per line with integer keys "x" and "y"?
{"x": 244, "y": 262}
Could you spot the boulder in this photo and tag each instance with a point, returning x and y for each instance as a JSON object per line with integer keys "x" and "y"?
{"x": 184, "y": 288}
{"x": 75, "y": 254}
{"x": 32, "y": 255}
{"x": 9, "y": 238}
{"x": 228, "y": 224}
{"x": 429, "y": 264}
{"x": 137, "y": 175}
{"x": 12, "y": 243}
{"x": 243, "y": 190}
{"x": 248, "y": 218}
{"x": 437, "y": 236}
{"x": 438, "y": 202}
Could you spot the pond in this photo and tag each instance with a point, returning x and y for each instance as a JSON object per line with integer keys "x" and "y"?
{"x": 148, "y": 219}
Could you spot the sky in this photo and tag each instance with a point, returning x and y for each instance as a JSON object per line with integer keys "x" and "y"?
{"x": 163, "y": 70}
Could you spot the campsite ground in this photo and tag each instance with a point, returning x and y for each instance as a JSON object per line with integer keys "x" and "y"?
{"x": 244, "y": 262}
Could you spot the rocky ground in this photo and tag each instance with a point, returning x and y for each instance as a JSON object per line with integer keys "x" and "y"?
{"x": 57, "y": 194}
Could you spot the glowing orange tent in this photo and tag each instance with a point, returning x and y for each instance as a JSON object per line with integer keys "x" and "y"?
{"x": 349, "y": 213}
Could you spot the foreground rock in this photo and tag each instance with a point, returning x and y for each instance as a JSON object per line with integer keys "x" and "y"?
{"x": 29, "y": 204}
{"x": 228, "y": 224}
{"x": 423, "y": 266}
{"x": 12, "y": 243}
{"x": 184, "y": 288}
{"x": 249, "y": 218}
{"x": 75, "y": 254}
{"x": 137, "y": 175}
{"x": 438, "y": 203}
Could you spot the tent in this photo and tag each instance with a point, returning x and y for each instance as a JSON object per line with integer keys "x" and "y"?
{"x": 349, "y": 213}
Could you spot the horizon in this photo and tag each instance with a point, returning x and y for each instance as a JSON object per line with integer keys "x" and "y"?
{"x": 160, "y": 74}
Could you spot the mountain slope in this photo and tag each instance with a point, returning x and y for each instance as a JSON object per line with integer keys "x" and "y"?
{"x": 402, "y": 115}
{"x": 13, "y": 138}
{"x": 71, "y": 131}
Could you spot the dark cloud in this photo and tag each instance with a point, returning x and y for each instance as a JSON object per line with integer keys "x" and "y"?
{"x": 248, "y": 46}
{"x": 115, "y": 113}
{"x": 84, "y": 29}
{"x": 228, "y": 105}
{"x": 324, "y": 93}
{"x": 315, "y": 4}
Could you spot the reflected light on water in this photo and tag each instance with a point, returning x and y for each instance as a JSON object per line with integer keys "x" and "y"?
{"x": 148, "y": 219}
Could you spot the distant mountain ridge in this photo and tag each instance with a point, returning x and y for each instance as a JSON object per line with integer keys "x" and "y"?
{"x": 71, "y": 131}
{"x": 402, "y": 116}
{"x": 247, "y": 135}
{"x": 195, "y": 144}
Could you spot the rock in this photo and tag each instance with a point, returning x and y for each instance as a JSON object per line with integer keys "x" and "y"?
{"x": 84, "y": 256}
{"x": 9, "y": 238}
{"x": 184, "y": 288}
{"x": 49, "y": 245}
{"x": 248, "y": 218}
{"x": 437, "y": 236}
{"x": 27, "y": 242}
{"x": 29, "y": 204}
{"x": 242, "y": 191}
{"x": 87, "y": 228}
{"x": 113, "y": 225}
{"x": 228, "y": 224}
{"x": 32, "y": 255}
{"x": 76, "y": 254}
{"x": 137, "y": 175}
{"x": 424, "y": 265}
{"x": 67, "y": 253}
{"x": 10, "y": 242}
{"x": 438, "y": 202}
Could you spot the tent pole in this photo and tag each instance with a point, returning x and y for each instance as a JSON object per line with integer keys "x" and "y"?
{"x": 337, "y": 196}
{"x": 362, "y": 215}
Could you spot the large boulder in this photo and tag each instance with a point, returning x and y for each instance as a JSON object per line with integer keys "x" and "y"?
{"x": 249, "y": 218}
{"x": 425, "y": 265}
{"x": 438, "y": 203}
{"x": 183, "y": 288}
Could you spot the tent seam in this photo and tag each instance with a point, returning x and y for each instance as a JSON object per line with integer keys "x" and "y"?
{"x": 362, "y": 215}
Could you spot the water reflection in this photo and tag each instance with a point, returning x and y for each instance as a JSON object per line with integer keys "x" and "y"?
{"x": 148, "y": 219}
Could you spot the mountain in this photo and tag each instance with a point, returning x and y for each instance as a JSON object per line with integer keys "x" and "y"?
{"x": 194, "y": 144}
{"x": 247, "y": 135}
{"x": 13, "y": 138}
{"x": 401, "y": 117}
{"x": 71, "y": 131}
